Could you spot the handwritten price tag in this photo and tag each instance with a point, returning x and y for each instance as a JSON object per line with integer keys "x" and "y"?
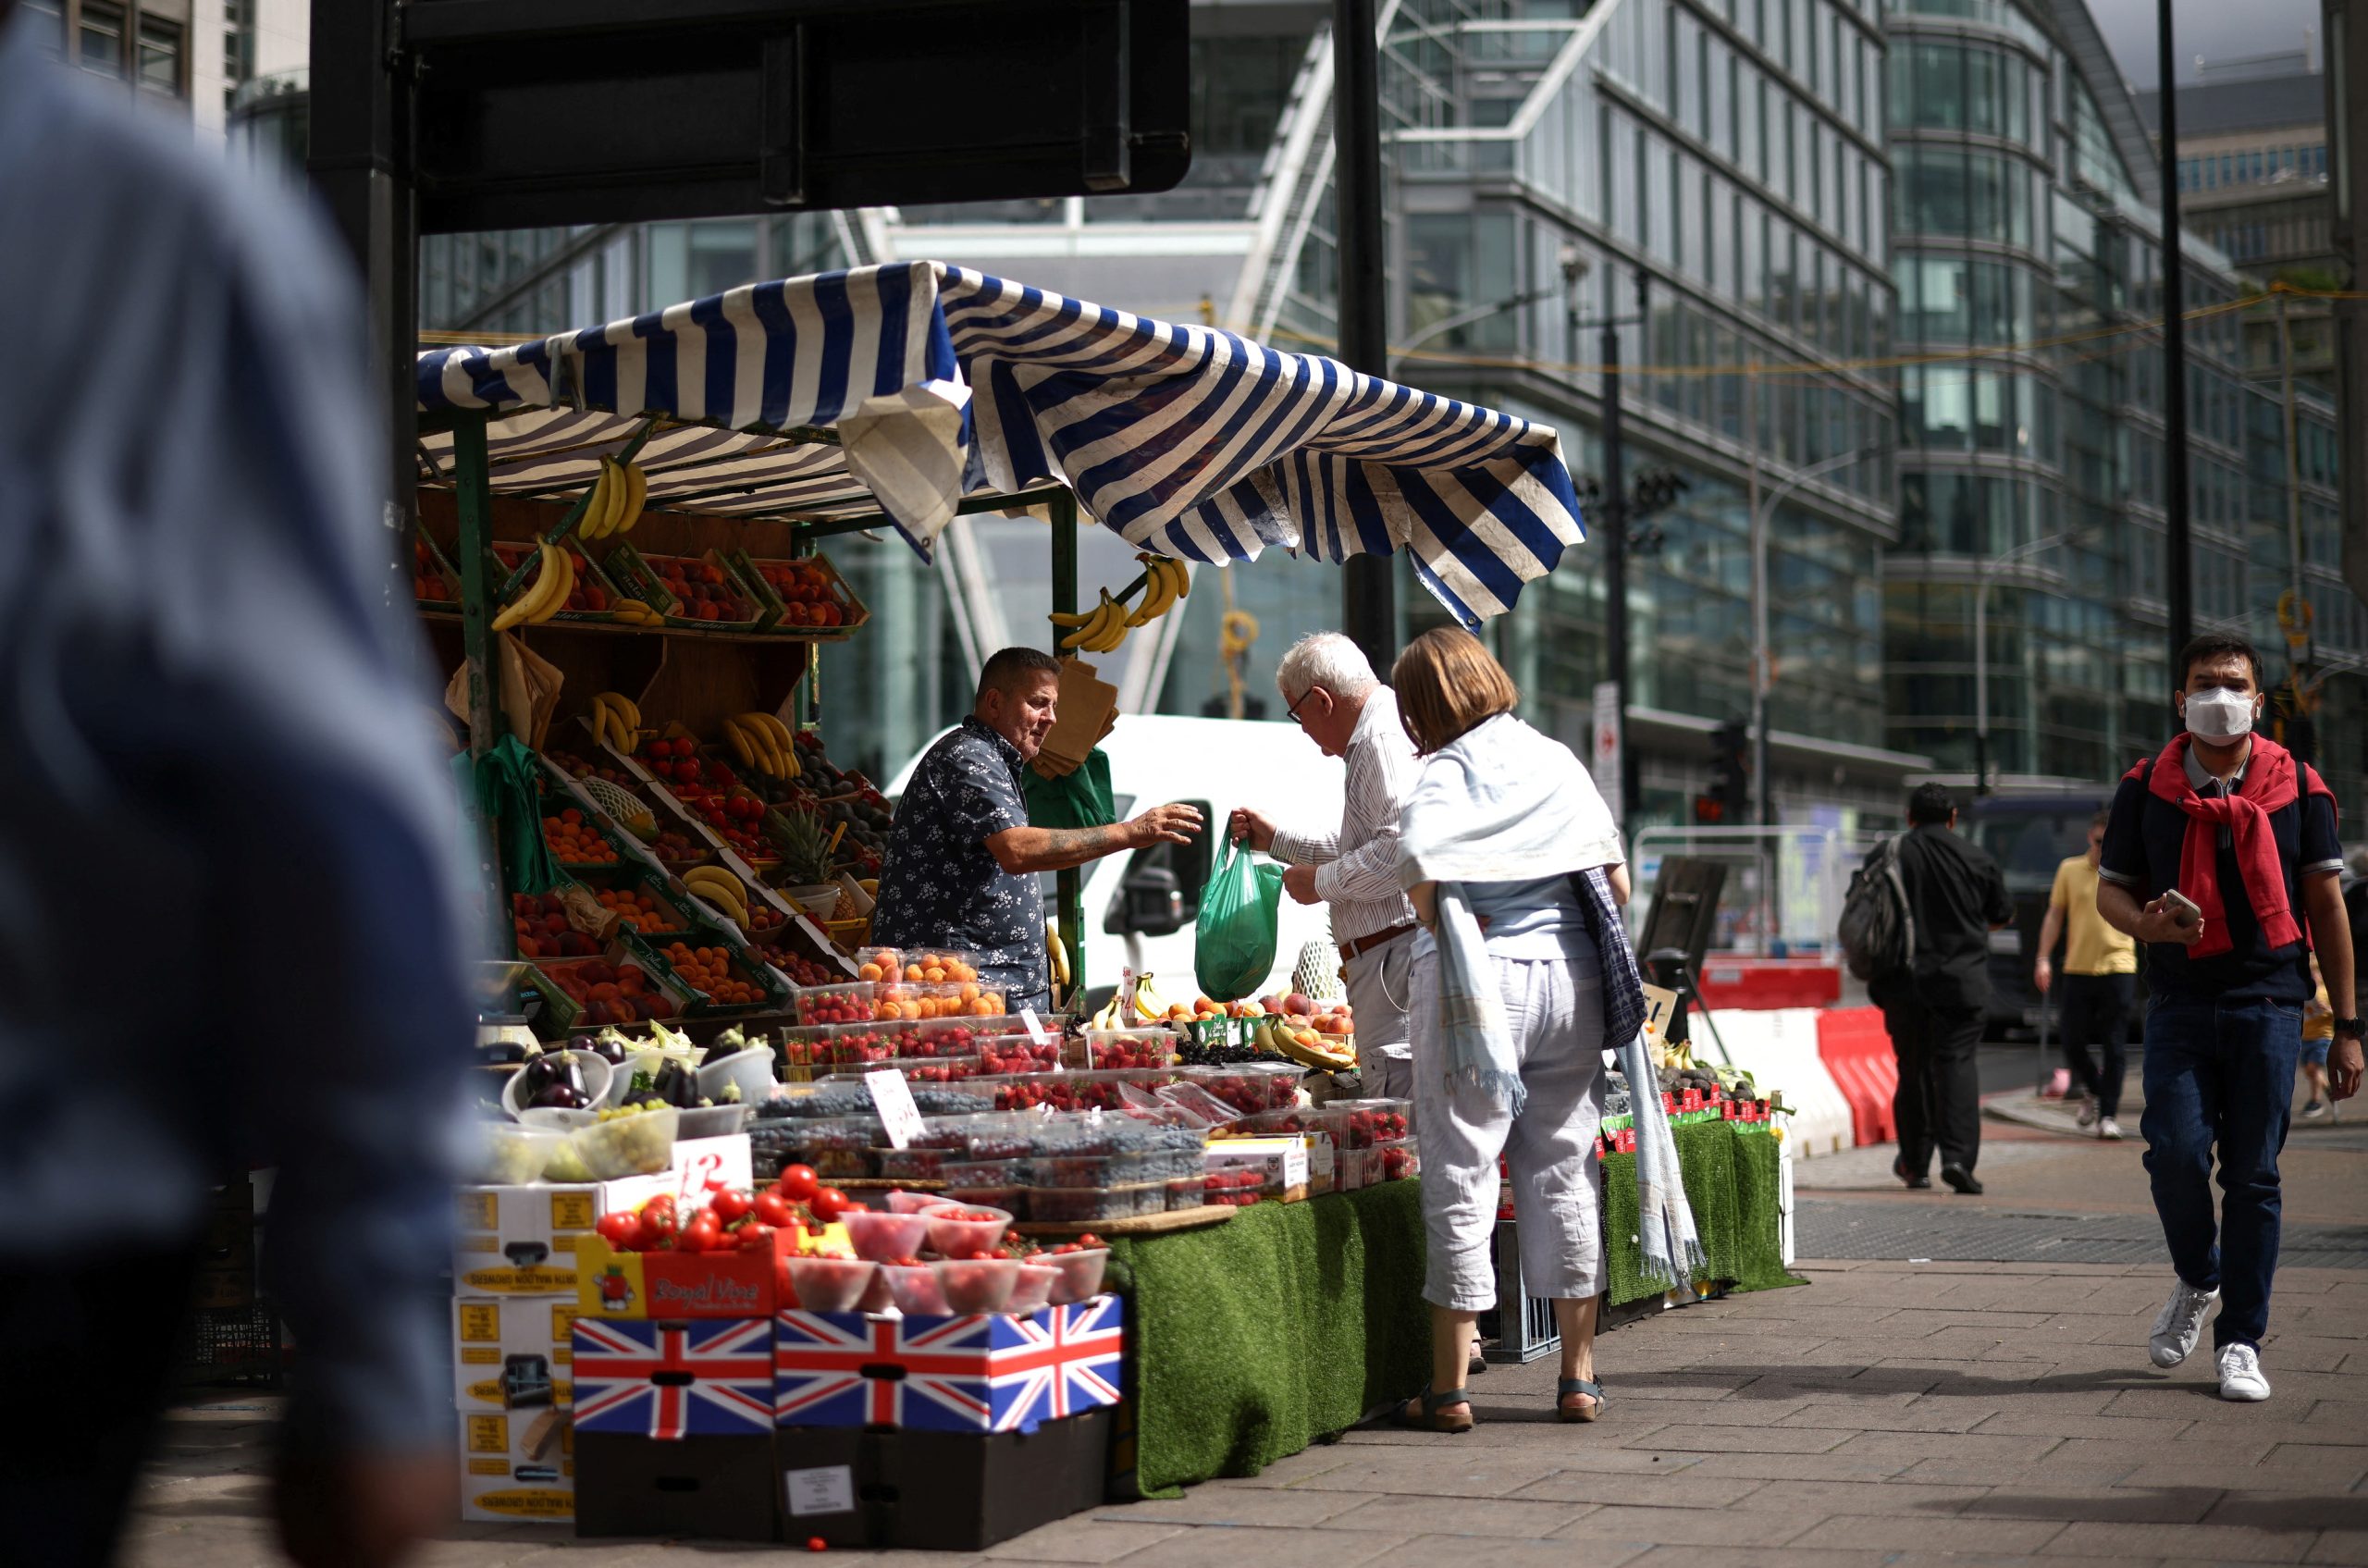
{"x": 893, "y": 1097}
{"x": 1035, "y": 1025}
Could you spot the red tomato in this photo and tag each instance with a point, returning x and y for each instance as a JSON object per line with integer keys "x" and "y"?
{"x": 771, "y": 1208}
{"x": 686, "y": 747}
{"x": 829, "y": 1203}
{"x": 754, "y": 1238}
{"x": 621, "y": 1230}
{"x": 730, "y": 1206}
{"x": 798, "y": 1184}
{"x": 700, "y": 1235}
{"x": 656, "y": 1221}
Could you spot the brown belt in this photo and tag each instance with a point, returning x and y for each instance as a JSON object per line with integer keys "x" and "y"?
{"x": 1366, "y": 945}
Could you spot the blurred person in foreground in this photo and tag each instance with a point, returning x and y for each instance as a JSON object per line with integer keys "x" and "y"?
{"x": 1329, "y": 690}
{"x": 2220, "y": 851}
{"x": 962, "y": 859}
{"x": 1523, "y": 978}
{"x": 1933, "y": 1010}
{"x": 2100, "y": 982}
{"x": 217, "y": 720}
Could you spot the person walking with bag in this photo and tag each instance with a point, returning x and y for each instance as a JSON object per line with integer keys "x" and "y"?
{"x": 1523, "y": 978}
{"x": 2100, "y": 980}
{"x": 2219, "y": 851}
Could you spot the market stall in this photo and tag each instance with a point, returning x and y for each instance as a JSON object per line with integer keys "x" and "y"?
{"x": 805, "y": 1219}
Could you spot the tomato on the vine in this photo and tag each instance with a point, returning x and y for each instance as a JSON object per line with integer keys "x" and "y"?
{"x": 829, "y": 1203}
{"x": 798, "y": 1184}
{"x": 730, "y": 1206}
{"x": 755, "y": 1238}
{"x": 622, "y": 1230}
{"x": 771, "y": 1208}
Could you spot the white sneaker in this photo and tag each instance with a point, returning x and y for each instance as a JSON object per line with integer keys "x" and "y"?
{"x": 2240, "y": 1374}
{"x": 2179, "y": 1324}
{"x": 2108, "y": 1127}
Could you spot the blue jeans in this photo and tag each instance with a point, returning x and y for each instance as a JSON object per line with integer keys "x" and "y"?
{"x": 2220, "y": 1072}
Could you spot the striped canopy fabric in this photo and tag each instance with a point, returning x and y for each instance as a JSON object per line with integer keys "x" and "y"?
{"x": 899, "y": 390}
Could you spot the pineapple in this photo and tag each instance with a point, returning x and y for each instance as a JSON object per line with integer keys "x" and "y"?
{"x": 805, "y": 846}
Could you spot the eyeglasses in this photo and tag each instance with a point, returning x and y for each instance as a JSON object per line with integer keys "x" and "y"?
{"x": 1292, "y": 711}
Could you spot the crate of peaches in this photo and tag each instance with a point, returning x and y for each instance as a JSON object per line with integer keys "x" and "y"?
{"x": 433, "y": 582}
{"x": 692, "y": 592}
{"x": 806, "y": 594}
{"x": 723, "y": 980}
{"x": 575, "y": 841}
{"x": 921, "y": 966}
{"x": 614, "y": 988}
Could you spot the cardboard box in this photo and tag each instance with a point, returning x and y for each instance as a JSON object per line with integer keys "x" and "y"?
{"x": 513, "y": 1354}
{"x": 720, "y": 1488}
{"x": 993, "y": 1372}
{"x": 938, "y": 1491}
{"x": 522, "y": 1240}
{"x": 666, "y": 1382}
{"x": 1281, "y": 1163}
{"x": 517, "y": 1464}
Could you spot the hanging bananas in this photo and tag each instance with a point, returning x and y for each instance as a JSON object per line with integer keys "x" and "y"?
{"x": 1105, "y": 626}
{"x": 764, "y": 744}
{"x": 1165, "y": 583}
{"x": 1099, "y": 630}
{"x": 616, "y": 719}
{"x": 541, "y": 598}
{"x": 617, "y": 498}
{"x": 1057, "y": 952}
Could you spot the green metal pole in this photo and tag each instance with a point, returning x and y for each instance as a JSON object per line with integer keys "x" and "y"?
{"x": 1072, "y": 882}
{"x": 473, "y": 488}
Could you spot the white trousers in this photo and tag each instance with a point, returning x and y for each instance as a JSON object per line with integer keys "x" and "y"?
{"x": 1380, "y": 981}
{"x": 1557, "y": 1026}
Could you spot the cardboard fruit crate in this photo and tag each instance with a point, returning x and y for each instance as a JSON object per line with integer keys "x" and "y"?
{"x": 646, "y": 578}
{"x": 806, "y": 596}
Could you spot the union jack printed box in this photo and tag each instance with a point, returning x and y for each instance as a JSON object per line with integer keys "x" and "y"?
{"x": 710, "y": 1377}
{"x": 987, "y": 1372}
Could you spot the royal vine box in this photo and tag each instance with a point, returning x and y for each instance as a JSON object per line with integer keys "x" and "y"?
{"x": 983, "y": 1372}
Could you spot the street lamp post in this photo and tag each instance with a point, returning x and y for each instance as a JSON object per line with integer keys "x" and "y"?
{"x": 1761, "y": 515}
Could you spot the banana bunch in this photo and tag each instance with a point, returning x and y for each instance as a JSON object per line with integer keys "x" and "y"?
{"x": 721, "y": 889}
{"x": 617, "y": 497}
{"x": 1147, "y": 1005}
{"x": 632, "y": 612}
{"x": 1165, "y": 583}
{"x": 1057, "y": 951}
{"x": 1098, "y": 630}
{"x": 1108, "y": 1016}
{"x": 762, "y": 742}
{"x": 541, "y": 598}
{"x": 617, "y": 721}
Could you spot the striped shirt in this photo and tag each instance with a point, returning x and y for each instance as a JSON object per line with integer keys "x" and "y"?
{"x": 1356, "y": 868}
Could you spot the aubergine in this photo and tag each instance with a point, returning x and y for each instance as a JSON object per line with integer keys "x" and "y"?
{"x": 675, "y": 1085}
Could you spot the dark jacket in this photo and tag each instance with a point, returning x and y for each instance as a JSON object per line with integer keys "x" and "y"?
{"x": 1958, "y": 895}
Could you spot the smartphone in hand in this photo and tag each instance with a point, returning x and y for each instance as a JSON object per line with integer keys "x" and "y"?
{"x": 2184, "y": 910}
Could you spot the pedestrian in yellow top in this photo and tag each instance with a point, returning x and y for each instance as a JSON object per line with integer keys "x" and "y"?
{"x": 2100, "y": 979}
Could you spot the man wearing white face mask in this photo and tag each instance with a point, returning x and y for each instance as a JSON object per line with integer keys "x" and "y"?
{"x": 2218, "y": 854}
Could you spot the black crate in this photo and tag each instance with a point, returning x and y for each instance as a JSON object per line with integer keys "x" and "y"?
{"x": 232, "y": 1345}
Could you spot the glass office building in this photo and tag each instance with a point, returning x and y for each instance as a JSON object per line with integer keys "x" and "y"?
{"x": 2027, "y": 251}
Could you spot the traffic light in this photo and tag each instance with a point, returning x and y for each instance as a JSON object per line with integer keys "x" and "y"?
{"x": 1729, "y": 796}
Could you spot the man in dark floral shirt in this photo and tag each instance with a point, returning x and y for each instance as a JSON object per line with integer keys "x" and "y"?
{"x": 962, "y": 860}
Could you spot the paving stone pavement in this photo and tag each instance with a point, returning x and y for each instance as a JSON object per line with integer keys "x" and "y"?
{"x": 1938, "y": 1415}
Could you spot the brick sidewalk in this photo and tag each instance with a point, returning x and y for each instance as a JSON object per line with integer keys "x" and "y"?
{"x": 1910, "y": 1416}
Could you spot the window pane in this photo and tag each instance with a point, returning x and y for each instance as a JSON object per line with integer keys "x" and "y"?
{"x": 160, "y": 56}
{"x": 102, "y": 40}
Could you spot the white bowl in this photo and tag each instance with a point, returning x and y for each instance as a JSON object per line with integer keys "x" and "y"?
{"x": 712, "y": 1122}
{"x": 598, "y": 1080}
{"x": 752, "y": 1070}
{"x": 640, "y": 1061}
{"x": 556, "y": 1118}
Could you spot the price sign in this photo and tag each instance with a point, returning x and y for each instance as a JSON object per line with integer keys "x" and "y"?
{"x": 893, "y": 1098}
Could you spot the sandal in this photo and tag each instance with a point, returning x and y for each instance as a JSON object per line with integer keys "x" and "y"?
{"x": 1439, "y": 1412}
{"x": 1566, "y": 1386}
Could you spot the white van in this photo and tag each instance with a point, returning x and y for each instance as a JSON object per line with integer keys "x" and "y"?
{"x": 1139, "y": 907}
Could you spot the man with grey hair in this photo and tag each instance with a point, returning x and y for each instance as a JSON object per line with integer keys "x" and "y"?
{"x": 1330, "y": 691}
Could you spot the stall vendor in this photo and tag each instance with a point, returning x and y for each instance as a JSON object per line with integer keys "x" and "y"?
{"x": 962, "y": 859}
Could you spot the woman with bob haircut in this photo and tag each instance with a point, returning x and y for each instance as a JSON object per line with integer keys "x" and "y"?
{"x": 1523, "y": 978}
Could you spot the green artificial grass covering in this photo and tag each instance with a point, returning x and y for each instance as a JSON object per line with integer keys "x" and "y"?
{"x": 1287, "y": 1324}
{"x": 1731, "y": 1182}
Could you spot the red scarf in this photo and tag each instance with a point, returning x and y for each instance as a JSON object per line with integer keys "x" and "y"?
{"x": 2269, "y": 784}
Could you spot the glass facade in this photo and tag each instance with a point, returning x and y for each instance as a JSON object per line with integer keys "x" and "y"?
{"x": 2031, "y": 438}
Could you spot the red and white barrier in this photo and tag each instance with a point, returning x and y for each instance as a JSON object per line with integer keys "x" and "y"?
{"x": 1856, "y": 1052}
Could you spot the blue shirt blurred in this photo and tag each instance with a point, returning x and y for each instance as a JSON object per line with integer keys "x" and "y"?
{"x": 232, "y": 926}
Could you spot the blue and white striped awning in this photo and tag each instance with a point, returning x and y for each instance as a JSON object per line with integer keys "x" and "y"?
{"x": 940, "y": 382}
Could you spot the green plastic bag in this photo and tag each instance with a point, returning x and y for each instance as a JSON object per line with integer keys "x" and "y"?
{"x": 1233, "y": 944}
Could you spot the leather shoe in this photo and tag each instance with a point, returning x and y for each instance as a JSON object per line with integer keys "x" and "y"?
{"x": 1899, "y": 1168}
{"x": 1962, "y": 1179}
